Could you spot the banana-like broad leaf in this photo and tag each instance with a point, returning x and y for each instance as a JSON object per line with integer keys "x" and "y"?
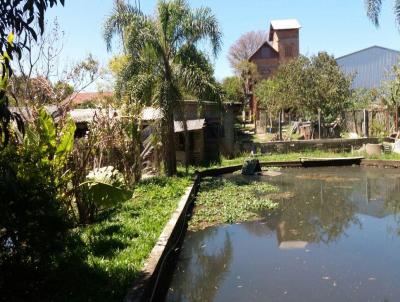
{"x": 105, "y": 187}
{"x": 105, "y": 195}
{"x": 48, "y": 131}
{"x": 66, "y": 142}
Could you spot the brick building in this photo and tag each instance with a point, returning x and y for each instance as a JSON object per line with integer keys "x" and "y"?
{"x": 282, "y": 45}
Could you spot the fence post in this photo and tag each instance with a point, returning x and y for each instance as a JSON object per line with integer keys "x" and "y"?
{"x": 319, "y": 123}
{"x": 366, "y": 123}
{"x": 280, "y": 125}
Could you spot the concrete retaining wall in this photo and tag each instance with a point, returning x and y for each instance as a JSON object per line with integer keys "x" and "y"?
{"x": 380, "y": 163}
{"x": 334, "y": 144}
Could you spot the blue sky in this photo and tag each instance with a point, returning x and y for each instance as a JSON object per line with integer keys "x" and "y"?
{"x": 336, "y": 26}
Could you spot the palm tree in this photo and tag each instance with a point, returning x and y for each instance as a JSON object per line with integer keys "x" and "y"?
{"x": 165, "y": 59}
{"x": 373, "y": 8}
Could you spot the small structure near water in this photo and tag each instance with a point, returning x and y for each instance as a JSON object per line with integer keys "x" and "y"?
{"x": 251, "y": 167}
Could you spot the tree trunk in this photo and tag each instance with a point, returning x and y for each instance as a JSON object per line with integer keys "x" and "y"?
{"x": 180, "y": 110}
{"x": 169, "y": 143}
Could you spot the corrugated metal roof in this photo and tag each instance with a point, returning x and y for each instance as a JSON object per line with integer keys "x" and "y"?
{"x": 369, "y": 48}
{"x": 370, "y": 66}
{"x": 285, "y": 24}
{"x": 191, "y": 125}
{"x": 151, "y": 114}
{"x": 87, "y": 115}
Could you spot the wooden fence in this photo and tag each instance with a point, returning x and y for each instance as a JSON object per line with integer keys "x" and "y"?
{"x": 376, "y": 122}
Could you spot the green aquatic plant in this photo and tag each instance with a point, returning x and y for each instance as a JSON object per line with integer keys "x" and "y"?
{"x": 230, "y": 200}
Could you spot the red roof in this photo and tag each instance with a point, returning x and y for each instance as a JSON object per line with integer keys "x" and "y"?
{"x": 85, "y": 97}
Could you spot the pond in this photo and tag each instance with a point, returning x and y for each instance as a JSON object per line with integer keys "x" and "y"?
{"x": 335, "y": 237}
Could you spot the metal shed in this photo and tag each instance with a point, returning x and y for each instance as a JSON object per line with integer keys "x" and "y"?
{"x": 370, "y": 66}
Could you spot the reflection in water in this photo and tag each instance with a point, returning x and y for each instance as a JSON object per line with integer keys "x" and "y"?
{"x": 334, "y": 238}
{"x": 210, "y": 262}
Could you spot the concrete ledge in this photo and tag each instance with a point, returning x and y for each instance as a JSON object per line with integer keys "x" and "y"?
{"x": 380, "y": 163}
{"x": 145, "y": 286}
{"x": 336, "y": 144}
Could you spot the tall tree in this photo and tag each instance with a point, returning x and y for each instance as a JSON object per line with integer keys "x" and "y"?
{"x": 328, "y": 89}
{"x": 245, "y": 46}
{"x": 233, "y": 89}
{"x": 309, "y": 85}
{"x": 165, "y": 57}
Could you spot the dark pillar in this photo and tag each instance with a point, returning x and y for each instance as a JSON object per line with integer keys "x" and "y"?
{"x": 319, "y": 123}
{"x": 280, "y": 124}
{"x": 366, "y": 123}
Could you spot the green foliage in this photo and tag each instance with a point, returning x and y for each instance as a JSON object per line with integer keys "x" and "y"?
{"x": 229, "y": 200}
{"x": 33, "y": 221}
{"x": 233, "y": 89}
{"x": 54, "y": 143}
{"x": 391, "y": 90}
{"x": 363, "y": 98}
{"x": 105, "y": 187}
{"x": 328, "y": 89}
{"x": 308, "y": 85}
{"x": 112, "y": 142}
{"x": 117, "y": 245}
{"x": 33, "y": 179}
{"x": 267, "y": 93}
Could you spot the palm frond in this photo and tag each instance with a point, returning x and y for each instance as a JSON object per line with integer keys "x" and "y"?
{"x": 373, "y": 8}
{"x": 203, "y": 24}
{"x": 198, "y": 82}
{"x": 119, "y": 20}
{"x": 397, "y": 11}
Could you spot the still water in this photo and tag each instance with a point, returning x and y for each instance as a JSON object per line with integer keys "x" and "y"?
{"x": 336, "y": 237}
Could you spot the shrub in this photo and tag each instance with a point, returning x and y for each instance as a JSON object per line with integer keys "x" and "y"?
{"x": 33, "y": 222}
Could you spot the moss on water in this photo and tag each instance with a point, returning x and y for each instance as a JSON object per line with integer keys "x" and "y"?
{"x": 230, "y": 200}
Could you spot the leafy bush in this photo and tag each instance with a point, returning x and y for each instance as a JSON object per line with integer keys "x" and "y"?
{"x": 109, "y": 142}
{"x": 34, "y": 218}
{"x": 33, "y": 222}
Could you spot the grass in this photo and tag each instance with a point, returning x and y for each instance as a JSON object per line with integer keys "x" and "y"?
{"x": 236, "y": 199}
{"x": 293, "y": 156}
{"x": 112, "y": 251}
